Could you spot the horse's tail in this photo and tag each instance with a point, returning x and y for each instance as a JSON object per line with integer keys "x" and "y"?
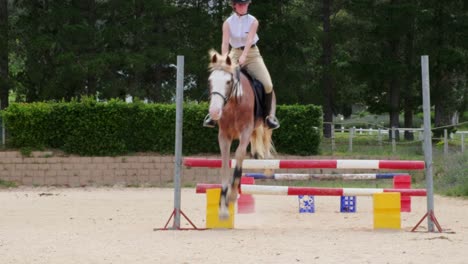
{"x": 268, "y": 141}
{"x": 262, "y": 144}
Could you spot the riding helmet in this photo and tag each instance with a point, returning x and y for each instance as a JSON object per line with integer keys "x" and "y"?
{"x": 241, "y": 1}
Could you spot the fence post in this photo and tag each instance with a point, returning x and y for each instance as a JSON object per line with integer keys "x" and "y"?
{"x": 379, "y": 137}
{"x": 421, "y": 137}
{"x": 445, "y": 142}
{"x": 393, "y": 140}
{"x": 333, "y": 138}
{"x": 351, "y": 134}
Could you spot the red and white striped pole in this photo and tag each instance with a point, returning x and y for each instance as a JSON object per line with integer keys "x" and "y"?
{"x": 310, "y": 164}
{"x": 289, "y": 190}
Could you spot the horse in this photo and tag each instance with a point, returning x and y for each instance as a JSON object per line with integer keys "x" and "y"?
{"x": 232, "y": 104}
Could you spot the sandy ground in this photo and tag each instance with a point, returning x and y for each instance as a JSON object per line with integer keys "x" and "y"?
{"x": 115, "y": 225}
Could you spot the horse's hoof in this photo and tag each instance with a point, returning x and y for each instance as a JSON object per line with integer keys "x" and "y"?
{"x": 223, "y": 214}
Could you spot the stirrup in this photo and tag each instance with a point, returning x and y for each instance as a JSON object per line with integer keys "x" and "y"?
{"x": 208, "y": 122}
{"x": 272, "y": 122}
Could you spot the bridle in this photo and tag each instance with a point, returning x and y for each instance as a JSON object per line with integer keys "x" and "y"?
{"x": 225, "y": 98}
{"x": 235, "y": 83}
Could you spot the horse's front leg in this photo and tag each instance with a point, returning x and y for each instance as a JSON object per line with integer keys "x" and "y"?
{"x": 224, "y": 146}
{"x": 241, "y": 151}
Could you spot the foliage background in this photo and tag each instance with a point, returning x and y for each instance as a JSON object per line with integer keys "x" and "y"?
{"x": 91, "y": 128}
{"x": 336, "y": 54}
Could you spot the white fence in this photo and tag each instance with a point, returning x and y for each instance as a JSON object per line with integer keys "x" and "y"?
{"x": 353, "y": 132}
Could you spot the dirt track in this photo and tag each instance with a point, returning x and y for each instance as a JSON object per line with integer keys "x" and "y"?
{"x": 113, "y": 225}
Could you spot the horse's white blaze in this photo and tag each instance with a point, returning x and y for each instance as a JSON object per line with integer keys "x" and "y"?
{"x": 219, "y": 84}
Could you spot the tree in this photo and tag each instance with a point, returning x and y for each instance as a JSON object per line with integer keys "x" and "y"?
{"x": 443, "y": 36}
{"x": 197, "y": 28}
{"x": 383, "y": 62}
{"x": 4, "y": 79}
{"x": 333, "y": 53}
{"x": 291, "y": 49}
{"x": 327, "y": 78}
{"x": 102, "y": 48}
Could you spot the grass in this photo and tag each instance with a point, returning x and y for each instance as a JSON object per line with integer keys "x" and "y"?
{"x": 7, "y": 184}
{"x": 451, "y": 174}
{"x": 450, "y": 171}
{"x": 371, "y": 145}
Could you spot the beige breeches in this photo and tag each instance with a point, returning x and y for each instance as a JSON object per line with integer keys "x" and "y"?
{"x": 255, "y": 66}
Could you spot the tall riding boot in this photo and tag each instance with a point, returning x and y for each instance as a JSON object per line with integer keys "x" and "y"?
{"x": 270, "y": 119}
{"x": 208, "y": 122}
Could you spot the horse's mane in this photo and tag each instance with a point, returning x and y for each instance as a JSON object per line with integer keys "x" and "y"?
{"x": 220, "y": 62}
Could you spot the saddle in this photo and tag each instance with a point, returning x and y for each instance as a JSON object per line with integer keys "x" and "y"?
{"x": 259, "y": 92}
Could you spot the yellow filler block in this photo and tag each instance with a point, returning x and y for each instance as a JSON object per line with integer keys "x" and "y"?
{"x": 387, "y": 214}
{"x": 212, "y": 210}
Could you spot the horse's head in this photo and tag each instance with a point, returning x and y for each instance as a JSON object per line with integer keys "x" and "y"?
{"x": 222, "y": 82}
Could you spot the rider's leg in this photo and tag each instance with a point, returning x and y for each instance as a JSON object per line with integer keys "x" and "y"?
{"x": 270, "y": 108}
{"x": 257, "y": 68}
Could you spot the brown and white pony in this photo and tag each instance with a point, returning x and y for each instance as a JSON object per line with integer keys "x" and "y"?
{"x": 232, "y": 105}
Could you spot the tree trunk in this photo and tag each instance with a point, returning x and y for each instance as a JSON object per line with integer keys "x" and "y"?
{"x": 4, "y": 80}
{"x": 408, "y": 91}
{"x": 442, "y": 94}
{"x": 327, "y": 79}
{"x": 442, "y": 119}
{"x": 157, "y": 93}
{"x": 444, "y": 104}
{"x": 395, "y": 105}
{"x": 409, "y": 135}
{"x": 395, "y": 82}
{"x": 91, "y": 82}
{"x": 395, "y": 91}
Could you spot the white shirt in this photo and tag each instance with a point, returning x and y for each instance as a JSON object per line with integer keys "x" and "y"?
{"x": 239, "y": 27}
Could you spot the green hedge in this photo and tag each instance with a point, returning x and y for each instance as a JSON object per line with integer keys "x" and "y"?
{"x": 113, "y": 128}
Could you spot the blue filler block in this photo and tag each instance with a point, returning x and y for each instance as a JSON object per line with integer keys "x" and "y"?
{"x": 306, "y": 204}
{"x": 348, "y": 204}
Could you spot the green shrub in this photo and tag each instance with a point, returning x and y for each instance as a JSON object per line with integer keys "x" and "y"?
{"x": 300, "y": 131}
{"x": 91, "y": 128}
{"x": 28, "y": 124}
